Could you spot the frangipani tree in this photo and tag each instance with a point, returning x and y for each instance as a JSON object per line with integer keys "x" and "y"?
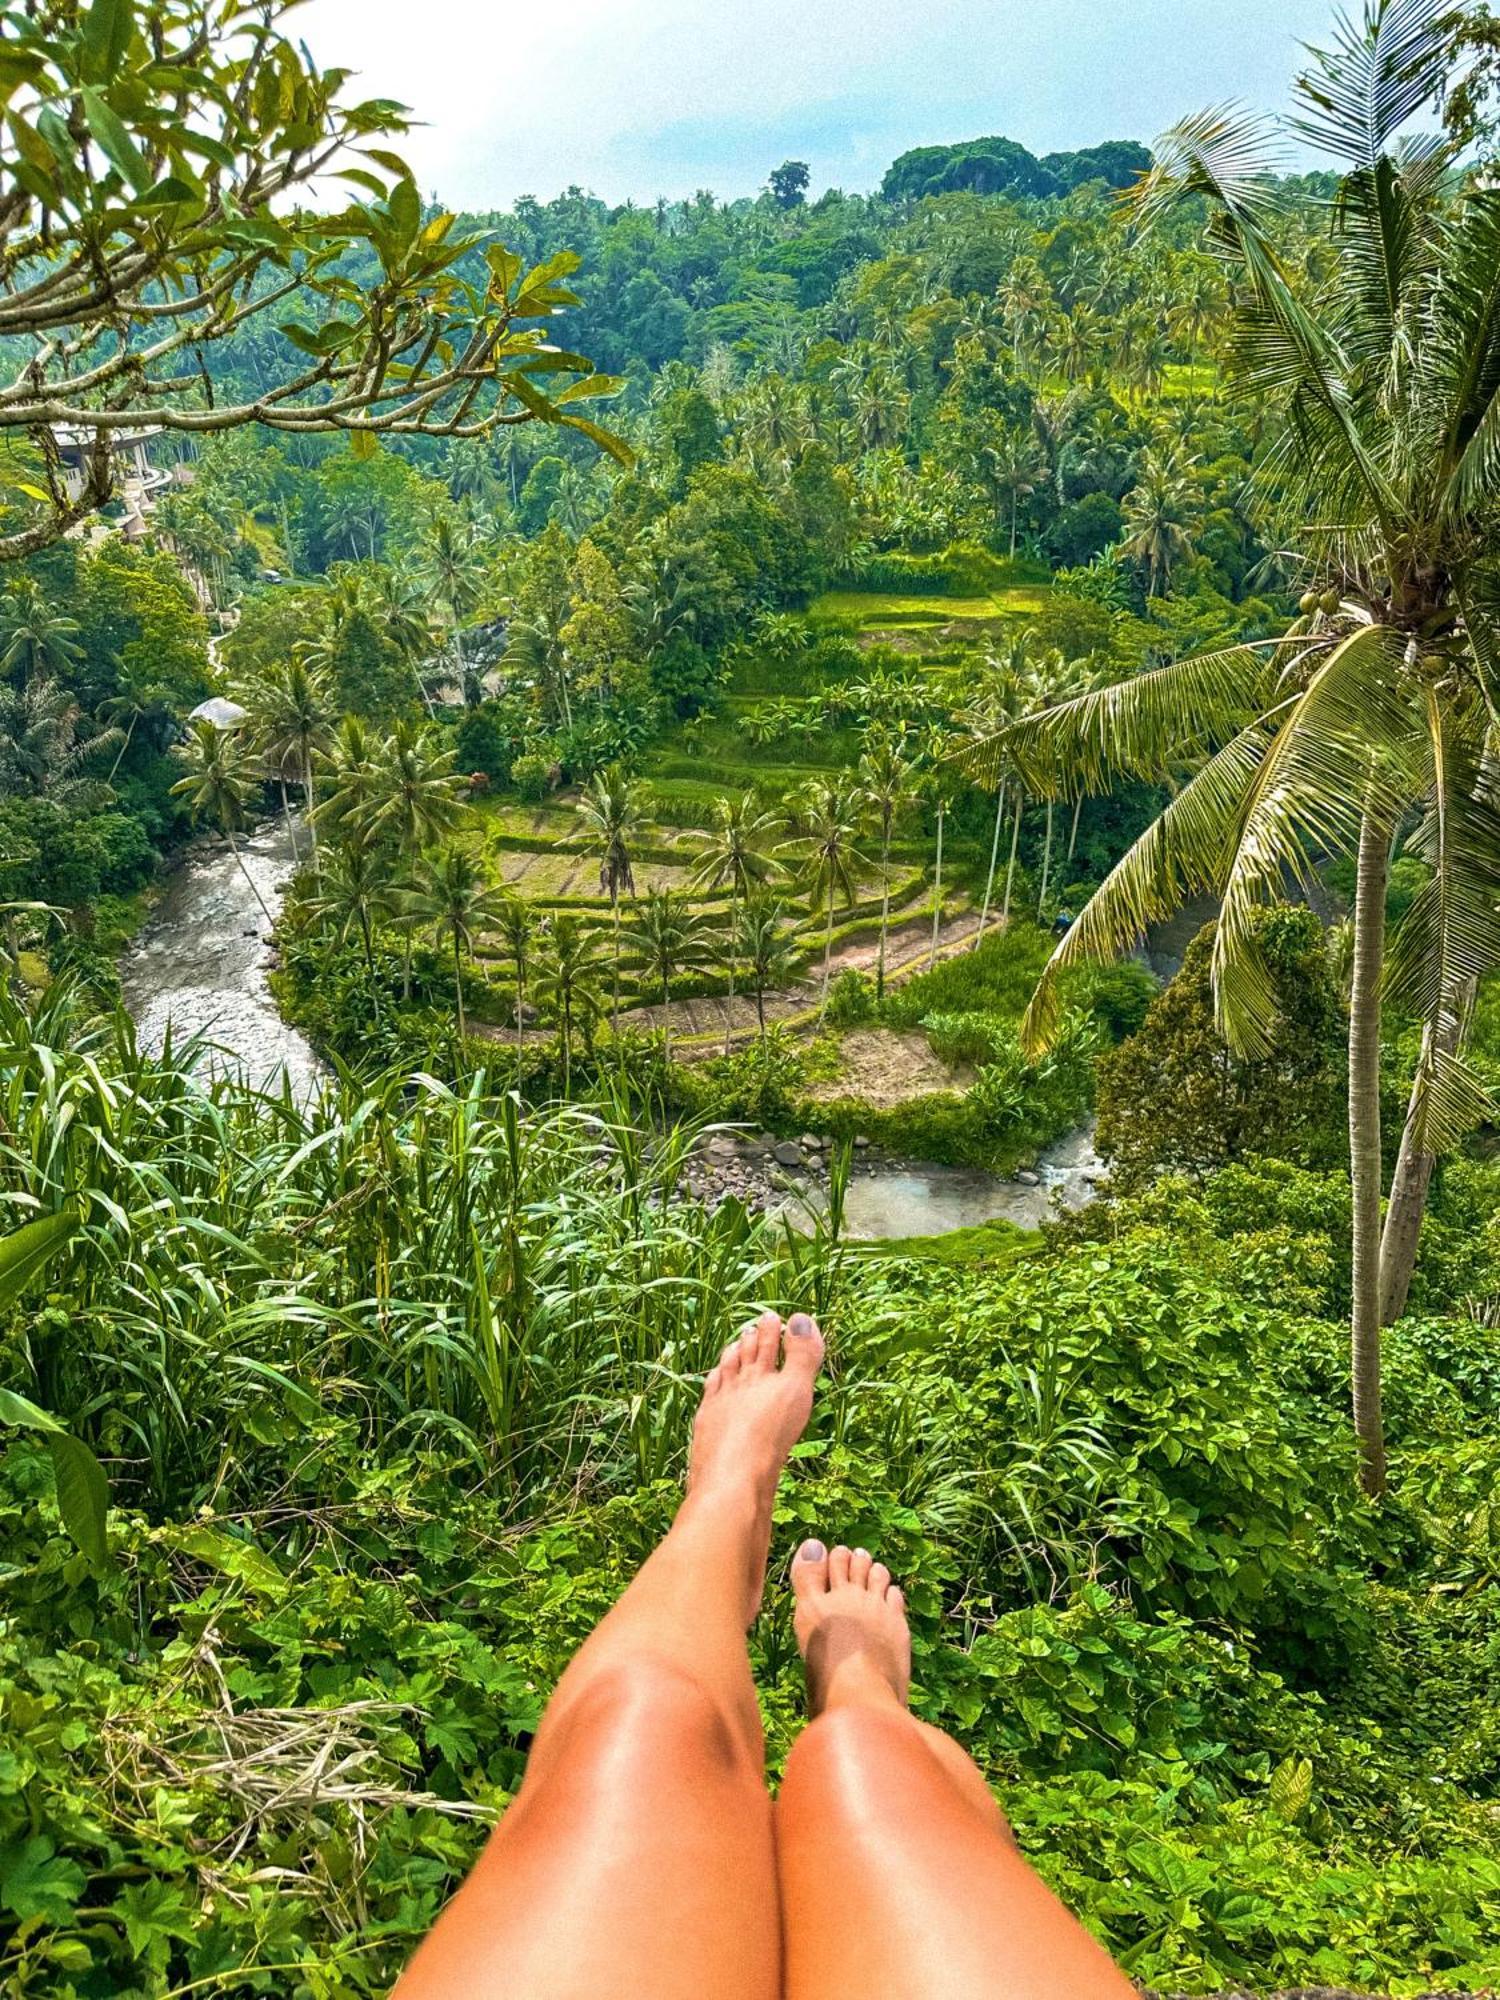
{"x": 1375, "y": 715}
{"x": 157, "y": 161}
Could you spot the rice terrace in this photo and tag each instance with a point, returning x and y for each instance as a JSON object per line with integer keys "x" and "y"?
{"x": 749, "y": 1001}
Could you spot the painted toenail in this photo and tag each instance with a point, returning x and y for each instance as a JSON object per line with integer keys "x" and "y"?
{"x": 812, "y": 1552}
{"x": 801, "y": 1325}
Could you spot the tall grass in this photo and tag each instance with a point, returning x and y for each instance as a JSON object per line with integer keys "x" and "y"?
{"x": 428, "y": 1267}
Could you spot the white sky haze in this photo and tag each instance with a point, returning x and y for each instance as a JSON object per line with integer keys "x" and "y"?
{"x": 637, "y": 98}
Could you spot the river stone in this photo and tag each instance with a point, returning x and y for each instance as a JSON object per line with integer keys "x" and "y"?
{"x": 810, "y": 1143}
{"x": 787, "y": 1154}
{"x": 1028, "y": 1179}
{"x": 861, "y": 1143}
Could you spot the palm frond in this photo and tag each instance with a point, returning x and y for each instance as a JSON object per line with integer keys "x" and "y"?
{"x": 1135, "y": 728}
{"x": 1227, "y": 153}
{"x": 1346, "y": 750}
{"x": 1382, "y": 68}
{"x": 1462, "y": 351}
{"x": 1184, "y": 851}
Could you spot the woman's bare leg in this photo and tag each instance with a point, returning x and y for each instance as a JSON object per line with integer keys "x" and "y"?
{"x": 899, "y": 1877}
{"x": 637, "y": 1861}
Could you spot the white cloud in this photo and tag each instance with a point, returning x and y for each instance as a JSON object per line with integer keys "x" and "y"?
{"x": 635, "y": 98}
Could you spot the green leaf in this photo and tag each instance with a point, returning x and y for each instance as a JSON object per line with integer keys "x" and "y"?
{"x": 24, "y": 1414}
{"x": 1291, "y": 1788}
{"x": 82, "y": 1495}
{"x": 115, "y": 141}
{"x": 24, "y": 1252}
{"x": 35, "y": 1881}
{"x": 106, "y": 37}
{"x": 364, "y": 444}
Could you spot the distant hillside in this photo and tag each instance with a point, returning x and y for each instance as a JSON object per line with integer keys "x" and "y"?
{"x": 1002, "y": 166}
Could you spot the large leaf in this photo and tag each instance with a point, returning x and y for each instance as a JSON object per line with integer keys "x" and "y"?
{"x": 1348, "y": 748}
{"x": 26, "y": 1250}
{"x": 1133, "y": 728}
{"x": 82, "y": 1495}
{"x": 1185, "y": 850}
{"x": 1381, "y": 70}
{"x": 82, "y": 1486}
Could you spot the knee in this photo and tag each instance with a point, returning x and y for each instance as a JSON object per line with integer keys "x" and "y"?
{"x": 657, "y": 1710}
{"x": 847, "y": 1748}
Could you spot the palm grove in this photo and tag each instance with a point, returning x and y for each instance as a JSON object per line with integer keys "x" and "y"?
{"x": 1170, "y": 476}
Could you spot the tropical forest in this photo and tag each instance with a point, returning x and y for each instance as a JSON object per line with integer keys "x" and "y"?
{"x": 571, "y": 774}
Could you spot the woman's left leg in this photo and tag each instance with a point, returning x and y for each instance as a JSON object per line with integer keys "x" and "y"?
{"x": 637, "y": 1861}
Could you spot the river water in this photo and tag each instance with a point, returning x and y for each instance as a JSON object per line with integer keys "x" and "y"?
{"x": 917, "y": 1198}
{"x": 199, "y": 965}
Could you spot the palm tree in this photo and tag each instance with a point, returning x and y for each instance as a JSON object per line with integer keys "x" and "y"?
{"x": 221, "y": 776}
{"x": 937, "y": 750}
{"x": 453, "y": 571}
{"x": 887, "y": 786}
{"x": 36, "y": 639}
{"x": 516, "y": 924}
{"x": 737, "y": 853}
{"x": 1011, "y": 472}
{"x": 610, "y": 811}
{"x": 566, "y": 981}
{"x": 350, "y": 764}
{"x": 828, "y": 819}
{"x": 1377, "y": 703}
{"x": 292, "y": 716}
{"x": 415, "y": 795}
{"x": 998, "y": 705}
{"x": 1157, "y": 513}
{"x": 669, "y": 938}
{"x": 766, "y": 948}
{"x": 454, "y": 900}
{"x": 41, "y": 752}
{"x": 353, "y": 892}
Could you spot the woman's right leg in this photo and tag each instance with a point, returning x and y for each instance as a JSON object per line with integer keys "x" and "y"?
{"x": 899, "y": 1876}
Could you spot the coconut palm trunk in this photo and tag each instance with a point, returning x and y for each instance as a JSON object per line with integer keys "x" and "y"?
{"x": 827, "y": 951}
{"x": 308, "y": 802}
{"x": 734, "y": 910}
{"x": 234, "y": 848}
{"x": 989, "y": 880}
{"x": 1414, "y": 1166}
{"x": 1372, "y": 870}
{"x": 885, "y": 905}
{"x": 458, "y": 984}
{"x": 1073, "y": 830}
{"x": 1046, "y": 862}
{"x": 937, "y": 887}
{"x": 1010, "y": 866}
{"x": 614, "y": 1004}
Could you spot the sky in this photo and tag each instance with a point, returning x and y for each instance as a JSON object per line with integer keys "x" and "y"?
{"x": 632, "y": 99}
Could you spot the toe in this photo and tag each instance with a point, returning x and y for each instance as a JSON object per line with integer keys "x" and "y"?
{"x": 711, "y": 1382}
{"x": 749, "y": 1343}
{"x": 729, "y": 1361}
{"x": 895, "y": 1597}
{"x": 859, "y": 1567}
{"x": 767, "y": 1333}
{"x": 802, "y": 1344}
{"x": 810, "y": 1570}
{"x": 838, "y": 1567}
{"x": 879, "y": 1580}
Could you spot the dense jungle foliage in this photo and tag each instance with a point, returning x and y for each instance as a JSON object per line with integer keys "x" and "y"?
{"x": 978, "y": 577}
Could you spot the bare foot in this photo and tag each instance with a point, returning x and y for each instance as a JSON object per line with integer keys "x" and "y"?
{"x": 851, "y": 1628}
{"x": 753, "y": 1412}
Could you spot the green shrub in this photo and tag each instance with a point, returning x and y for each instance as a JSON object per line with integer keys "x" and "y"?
{"x": 531, "y": 774}
{"x": 851, "y": 999}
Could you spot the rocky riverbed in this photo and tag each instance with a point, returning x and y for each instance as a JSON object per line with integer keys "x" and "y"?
{"x": 889, "y": 1198}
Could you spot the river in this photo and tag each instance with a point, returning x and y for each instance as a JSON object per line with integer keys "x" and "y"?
{"x": 199, "y": 967}
{"x": 200, "y": 962}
